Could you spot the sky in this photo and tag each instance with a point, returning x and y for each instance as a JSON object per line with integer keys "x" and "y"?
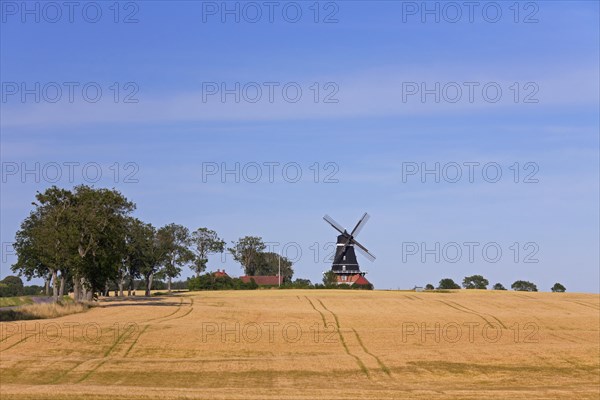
{"x": 468, "y": 131}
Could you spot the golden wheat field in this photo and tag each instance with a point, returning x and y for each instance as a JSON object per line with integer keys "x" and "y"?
{"x": 311, "y": 344}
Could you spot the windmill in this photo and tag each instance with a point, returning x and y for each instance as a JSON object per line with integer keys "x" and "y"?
{"x": 345, "y": 265}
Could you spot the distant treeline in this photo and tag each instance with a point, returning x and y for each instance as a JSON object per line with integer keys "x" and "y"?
{"x": 479, "y": 282}
{"x": 12, "y": 286}
{"x": 211, "y": 281}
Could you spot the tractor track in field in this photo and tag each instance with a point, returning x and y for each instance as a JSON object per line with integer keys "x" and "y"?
{"x": 106, "y": 356}
{"x": 585, "y": 304}
{"x": 8, "y": 337}
{"x": 179, "y": 316}
{"x": 524, "y": 296}
{"x": 579, "y": 340}
{"x": 319, "y": 311}
{"x": 16, "y": 343}
{"x": 179, "y": 307}
{"x": 168, "y": 315}
{"x": 383, "y": 367}
{"x": 172, "y": 316}
{"x": 64, "y": 373}
{"x": 90, "y": 372}
{"x": 361, "y": 365}
{"x": 490, "y": 315}
{"x": 460, "y": 307}
{"x": 135, "y": 341}
{"x": 360, "y": 362}
{"x": 77, "y": 365}
{"x": 562, "y": 338}
{"x": 120, "y": 339}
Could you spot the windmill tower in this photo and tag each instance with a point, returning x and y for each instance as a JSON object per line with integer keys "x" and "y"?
{"x": 345, "y": 265}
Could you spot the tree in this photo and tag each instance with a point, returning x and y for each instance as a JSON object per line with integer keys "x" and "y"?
{"x": 330, "y": 279}
{"x": 499, "y": 286}
{"x": 11, "y": 286}
{"x": 268, "y": 264}
{"x": 558, "y": 288}
{"x": 448, "y": 283}
{"x": 246, "y": 251}
{"x": 300, "y": 283}
{"x": 174, "y": 240}
{"x": 524, "y": 286}
{"x": 429, "y": 286}
{"x": 205, "y": 242}
{"x": 212, "y": 282}
{"x": 475, "y": 282}
{"x": 99, "y": 222}
{"x": 46, "y": 242}
{"x": 29, "y": 251}
{"x": 144, "y": 254}
{"x": 78, "y": 234}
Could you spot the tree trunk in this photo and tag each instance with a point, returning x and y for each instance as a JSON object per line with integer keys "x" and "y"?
{"x": 61, "y": 291}
{"x": 121, "y": 283}
{"x": 54, "y": 286}
{"x": 169, "y": 284}
{"x": 76, "y": 290}
{"x": 149, "y": 283}
{"x": 47, "y": 284}
{"x": 85, "y": 293}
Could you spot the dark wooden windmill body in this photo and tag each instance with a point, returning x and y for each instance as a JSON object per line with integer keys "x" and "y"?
{"x": 345, "y": 265}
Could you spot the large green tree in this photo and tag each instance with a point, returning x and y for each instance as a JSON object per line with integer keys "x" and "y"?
{"x": 268, "y": 264}
{"x": 524, "y": 286}
{"x": 174, "y": 241}
{"x": 144, "y": 253}
{"x": 330, "y": 279}
{"x": 79, "y": 234}
{"x": 448, "y": 283}
{"x": 204, "y": 242}
{"x": 99, "y": 219}
{"x": 559, "y": 288}
{"x": 246, "y": 251}
{"x": 45, "y": 245}
{"x": 475, "y": 282}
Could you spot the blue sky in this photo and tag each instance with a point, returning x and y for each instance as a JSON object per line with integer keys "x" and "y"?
{"x": 374, "y": 62}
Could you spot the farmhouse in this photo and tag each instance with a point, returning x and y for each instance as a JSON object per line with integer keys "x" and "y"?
{"x": 353, "y": 279}
{"x": 220, "y": 274}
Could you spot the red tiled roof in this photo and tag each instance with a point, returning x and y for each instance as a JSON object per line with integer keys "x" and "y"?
{"x": 261, "y": 280}
{"x": 360, "y": 280}
{"x": 220, "y": 273}
{"x": 355, "y": 279}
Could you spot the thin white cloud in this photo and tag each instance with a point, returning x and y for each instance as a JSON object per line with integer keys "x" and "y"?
{"x": 378, "y": 92}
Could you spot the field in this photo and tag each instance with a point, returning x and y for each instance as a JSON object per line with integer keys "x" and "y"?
{"x": 15, "y": 301}
{"x": 307, "y": 344}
